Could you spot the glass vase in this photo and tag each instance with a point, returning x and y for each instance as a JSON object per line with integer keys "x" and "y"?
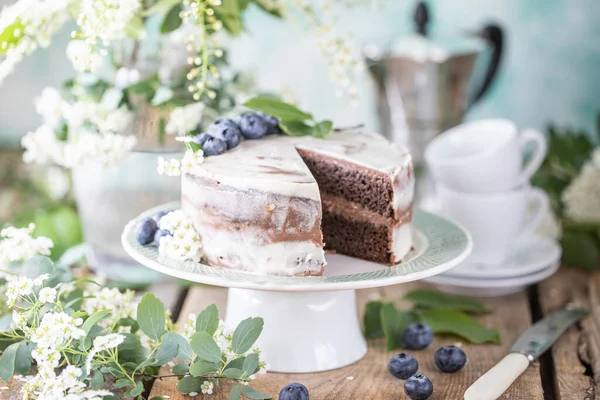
{"x": 109, "y": 197}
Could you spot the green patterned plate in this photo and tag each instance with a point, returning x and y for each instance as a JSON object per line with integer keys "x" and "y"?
{"x": 439, "y": 245}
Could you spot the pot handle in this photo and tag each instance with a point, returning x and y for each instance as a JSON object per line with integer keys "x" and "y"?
{"x": 495, "y": 36}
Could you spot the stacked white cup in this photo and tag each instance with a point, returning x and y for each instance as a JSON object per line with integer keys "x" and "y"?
{"x": 482, "y": 182}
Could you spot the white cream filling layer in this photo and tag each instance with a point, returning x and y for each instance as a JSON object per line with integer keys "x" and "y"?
{"x": 402, "y": 241}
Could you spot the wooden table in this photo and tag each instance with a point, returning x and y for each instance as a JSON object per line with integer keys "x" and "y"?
{"x": 570, "y": 371}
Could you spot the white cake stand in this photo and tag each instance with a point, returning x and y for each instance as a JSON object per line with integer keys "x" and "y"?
{"x": 311, "y": 323}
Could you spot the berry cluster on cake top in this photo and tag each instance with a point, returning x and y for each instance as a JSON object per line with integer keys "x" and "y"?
{"x": 225, "y": 133}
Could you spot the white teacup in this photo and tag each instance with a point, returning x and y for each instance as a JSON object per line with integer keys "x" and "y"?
{"x": 484, "y": 156}
{"x": 495, "y": 220}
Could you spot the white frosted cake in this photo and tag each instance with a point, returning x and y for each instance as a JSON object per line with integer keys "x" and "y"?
{"x": 271, "y": 206}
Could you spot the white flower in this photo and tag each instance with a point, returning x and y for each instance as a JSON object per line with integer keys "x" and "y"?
{"x": 17, "y": 244}
{"x": 582, "y": 197}
{"x": 39, "y": 281}
{"x": 169, "y": 168}
{"x": 106, "y": 20}
{"x": 183, "y": 120}
{"x": 126, "y": 77}
{"x": 191, "y": 159}
{"x": 109, "y": 341}
{"x": 19, "y": 319}
{"x": 47, "y": 295}
{"x": 33, "y": 23}
{"x": 189, "y": 328}
{"x": 116, "y": 121}
{"x": 185, "y": 243}
{"x": 49, "y": 106}
{"x": 207, "y": 387}
{"x": 119, "y": 304}
{"x": 81, "y": 57}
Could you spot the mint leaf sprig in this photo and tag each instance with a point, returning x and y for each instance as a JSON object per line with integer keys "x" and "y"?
{"x": 292, "y": 121}
{"x": 444, "y": 313}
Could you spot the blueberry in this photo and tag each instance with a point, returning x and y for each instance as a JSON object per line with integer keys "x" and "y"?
{"x": 450, "y": 358}
{"x": 201, "y": 138}
{"x": 294, "y": 391}
{"x": 160, "y": 233}
{"x": 418, "y": 387}
{"x": 403, "y": 366}
{"x": 272, "y": 122}
{"x": 214, "y": 147}
{"x": 145, "y": 230}
{"x": 156, "y": 217}
{"x": 417, "y": 336}
{"x": 227, "y": 130}
{"x": 253, "y": 126}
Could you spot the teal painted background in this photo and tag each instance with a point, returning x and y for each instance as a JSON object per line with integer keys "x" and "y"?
{"x": 550, "y": 72}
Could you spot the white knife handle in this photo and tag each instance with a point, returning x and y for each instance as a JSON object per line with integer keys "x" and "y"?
{"x": 493, "y": 383}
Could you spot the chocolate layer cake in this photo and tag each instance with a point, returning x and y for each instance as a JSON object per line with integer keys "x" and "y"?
{"x": 271, "y": 205}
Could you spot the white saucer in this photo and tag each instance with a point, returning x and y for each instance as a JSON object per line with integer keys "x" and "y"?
{"x": 491, "y": 287}
{"x": 532, "y": 254}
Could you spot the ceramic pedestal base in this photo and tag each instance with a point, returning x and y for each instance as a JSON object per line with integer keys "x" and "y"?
{"x": 303, "y": 332}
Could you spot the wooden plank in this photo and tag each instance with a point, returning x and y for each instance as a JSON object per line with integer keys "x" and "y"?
{"x": 369, "y": 378}
{"x": 579, "y": 343}
{"x": 11, "y": 390}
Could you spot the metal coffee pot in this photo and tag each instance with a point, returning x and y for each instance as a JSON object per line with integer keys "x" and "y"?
{"x": 422, "y": 83}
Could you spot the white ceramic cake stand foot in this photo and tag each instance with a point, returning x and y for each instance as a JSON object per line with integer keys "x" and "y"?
{"x": 303, "y": 332}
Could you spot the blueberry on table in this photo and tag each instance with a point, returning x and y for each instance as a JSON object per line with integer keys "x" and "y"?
{"x": 227, "y": 130}
{"x": 272, "y": 122}
{"x": 450, "y": 358}
{"x": 403, "y": 366}
{"x": 160, "y": 233}
{"x": 417, "y": 336}
{"x": 145, "y": 230}
{"x": 294, "y": 391}
{"x": 418, "y": 387}
{"x": 213, "y": 146}
{"x": 253, "y": 126}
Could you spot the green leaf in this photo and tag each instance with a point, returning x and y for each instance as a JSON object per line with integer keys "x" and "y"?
{"x": 250, "y": 364}
{"x": 181, "y": 369}
{"x": 11, "y": 35}
{"x": 151, "y": 316}
{"x": 135, "y": 27}
{"x": 137, "y": 390}
{"x": 172, "y": 20}
{"x": 190, "y": 384}
{"x": 131, "y": 350}
{"x": 7, "y": 362}
{"x": 229, "y": 14}
{"x": 23, "y": 359}
{"x": 202, "y": 368}
{"x": 460, "y": 324}
{"x": 206, "y": 348}
{"x": 233, "y": 373}
{"x": 185, "y": 349}
{"x": 129, "y": 322}
{"x": 254, "y": 394}
{"x": 94, "y": 319}
{"x": 580, "y": 249}
{"x": 372, "y": 320}
{"x": 277, "y": 108}
{"x": 237, "y": 363}
{"x": 97, "y": 381}
{"x": 62, "y": 226}
{"x": 274, "y": 11}
{"x": 296, "y": 128}
{"x": 245, "y": 334}
{"x": 193, "y": 146}
{"x": 236, "y": 392}
{"x": 322, "y": 129}
{"x": 121, "y": 383}
{"x": 438, "y": 300}
{"x": 5, "y": 322}
{"x": 163, "y": 354}
{"x": 208, "y": 320}
{"x": 394, "y": 323}
{"x": 160, "y": 7}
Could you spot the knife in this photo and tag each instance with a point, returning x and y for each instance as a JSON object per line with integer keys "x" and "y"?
{"x": 529, "y": 346}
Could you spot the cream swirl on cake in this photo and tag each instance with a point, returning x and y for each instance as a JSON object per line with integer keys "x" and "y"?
{"x": 271, "y": 205}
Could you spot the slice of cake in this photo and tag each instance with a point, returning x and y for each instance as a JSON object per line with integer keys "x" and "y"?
{"x": 271, "y": 205}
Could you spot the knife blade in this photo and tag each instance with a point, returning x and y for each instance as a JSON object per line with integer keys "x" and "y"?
{"x": 529, "y": 346}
